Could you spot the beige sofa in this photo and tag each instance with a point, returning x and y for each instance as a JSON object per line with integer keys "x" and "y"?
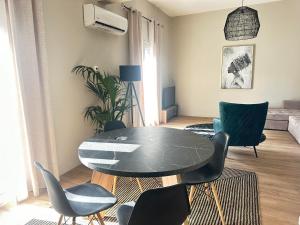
{"x": 278, "y": 118}
{"x": 294, "y": 127}
{"x": 287, "y": 118}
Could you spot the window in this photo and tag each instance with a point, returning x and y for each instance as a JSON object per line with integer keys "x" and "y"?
{"x": 150, "y": 81}
{"x": 12, "y": 163}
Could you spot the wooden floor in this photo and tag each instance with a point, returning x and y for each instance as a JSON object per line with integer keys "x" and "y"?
{"x": 278, "y": 170}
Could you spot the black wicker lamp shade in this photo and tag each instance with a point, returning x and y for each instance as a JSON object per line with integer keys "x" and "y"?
{"x": 242, "y": 24}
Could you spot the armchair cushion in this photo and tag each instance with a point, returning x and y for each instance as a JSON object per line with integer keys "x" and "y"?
{"x": 243, "y": 122}
{"x": 217, "y": 125}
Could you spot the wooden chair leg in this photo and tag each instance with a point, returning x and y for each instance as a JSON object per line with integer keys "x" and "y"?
{"x": 139, "y": 184}
{"x": 60, "y": 220}
{"x": 100, "y": 219}
{"x": 114, "y": 185}
{"x": 186, "y": 222}
{"x": 102, "y": 215}
{"x": 207, "y": 191}
{"x": 215, "y": 193}
{"x": 91, "y": 218}
{"x": 192, "y": 193}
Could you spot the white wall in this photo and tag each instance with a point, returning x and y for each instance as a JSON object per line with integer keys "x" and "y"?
{"x": 196, "y": 62}
{"x": 69, "y": 43}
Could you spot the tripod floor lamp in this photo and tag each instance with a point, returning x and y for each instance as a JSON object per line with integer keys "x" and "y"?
{"x": 130, "y": 74}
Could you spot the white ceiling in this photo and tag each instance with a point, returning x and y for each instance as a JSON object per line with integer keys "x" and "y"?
{"x": 186, "y": 7}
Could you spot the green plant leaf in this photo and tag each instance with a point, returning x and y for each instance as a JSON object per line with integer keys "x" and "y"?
{"x": 109, "y": 90}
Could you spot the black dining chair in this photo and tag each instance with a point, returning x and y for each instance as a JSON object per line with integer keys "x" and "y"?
{"x": 162, "y": 206}
{"x": 114, "y": 125}
{"x": 211, "y": 172}
{"x": 85, "y": 200}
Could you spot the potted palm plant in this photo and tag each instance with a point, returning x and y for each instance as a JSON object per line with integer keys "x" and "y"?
{"x": 109, "y": 90}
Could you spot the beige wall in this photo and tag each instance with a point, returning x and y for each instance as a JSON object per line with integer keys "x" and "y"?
{"x": 196, "y": 63}
{"x": 70, "y": 43}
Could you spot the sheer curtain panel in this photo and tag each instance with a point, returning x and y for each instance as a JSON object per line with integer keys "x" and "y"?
{"x": 151, "y": 72}
{"x": 28, "y": 132}
{"x": 136, "y": 57}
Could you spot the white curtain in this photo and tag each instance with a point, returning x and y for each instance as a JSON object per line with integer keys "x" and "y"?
{"x": 27, "y": 134}
{"x": 157, "y": 55}
{"x": 144, "y": 50}
{"x": 136, "y": 58}
{"x": 151, "y": 72}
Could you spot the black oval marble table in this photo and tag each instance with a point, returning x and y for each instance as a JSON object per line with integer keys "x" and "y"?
{"x": 144, "y": 152}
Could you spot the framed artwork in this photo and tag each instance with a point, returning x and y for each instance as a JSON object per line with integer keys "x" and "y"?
{"x": 237, "y": 67}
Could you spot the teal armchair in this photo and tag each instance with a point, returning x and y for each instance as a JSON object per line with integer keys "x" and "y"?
{"x": 243, "y": 122}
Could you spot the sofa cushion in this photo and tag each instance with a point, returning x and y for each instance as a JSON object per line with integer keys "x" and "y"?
{"x": 282, "y": 114}
{"x": 294, "y": 127}
{"x": 290, "y": 104}
{"x": 276, "y": 124}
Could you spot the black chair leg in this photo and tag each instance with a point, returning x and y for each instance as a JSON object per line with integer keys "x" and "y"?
{"x": 255, "y": 151}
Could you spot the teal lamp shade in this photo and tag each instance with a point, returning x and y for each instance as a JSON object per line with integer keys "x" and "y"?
{"x": 130, "y": 73}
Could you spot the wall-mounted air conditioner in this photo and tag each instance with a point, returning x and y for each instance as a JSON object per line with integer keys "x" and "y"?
{"x": 99, "y": 18}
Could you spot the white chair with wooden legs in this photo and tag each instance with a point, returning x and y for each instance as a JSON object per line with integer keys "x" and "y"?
{"x": 208, "y": 174}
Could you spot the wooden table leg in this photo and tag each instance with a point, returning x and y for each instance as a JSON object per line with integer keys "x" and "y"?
{"x": 114, "y": 185}
{"x": 171, "y": 180}
{"x": 103, "y": 180}
{"x": 192, "y": 193}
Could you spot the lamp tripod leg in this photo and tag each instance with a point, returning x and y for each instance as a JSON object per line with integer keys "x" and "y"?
{"x": 138, "y": 103}
{"x": 126, "y": 98}
{"x": 131, "y": 102}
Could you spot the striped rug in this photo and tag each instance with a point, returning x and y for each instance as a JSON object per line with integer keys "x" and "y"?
{"x": 238, "y": 191}
{"x": 206, "y": 129}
